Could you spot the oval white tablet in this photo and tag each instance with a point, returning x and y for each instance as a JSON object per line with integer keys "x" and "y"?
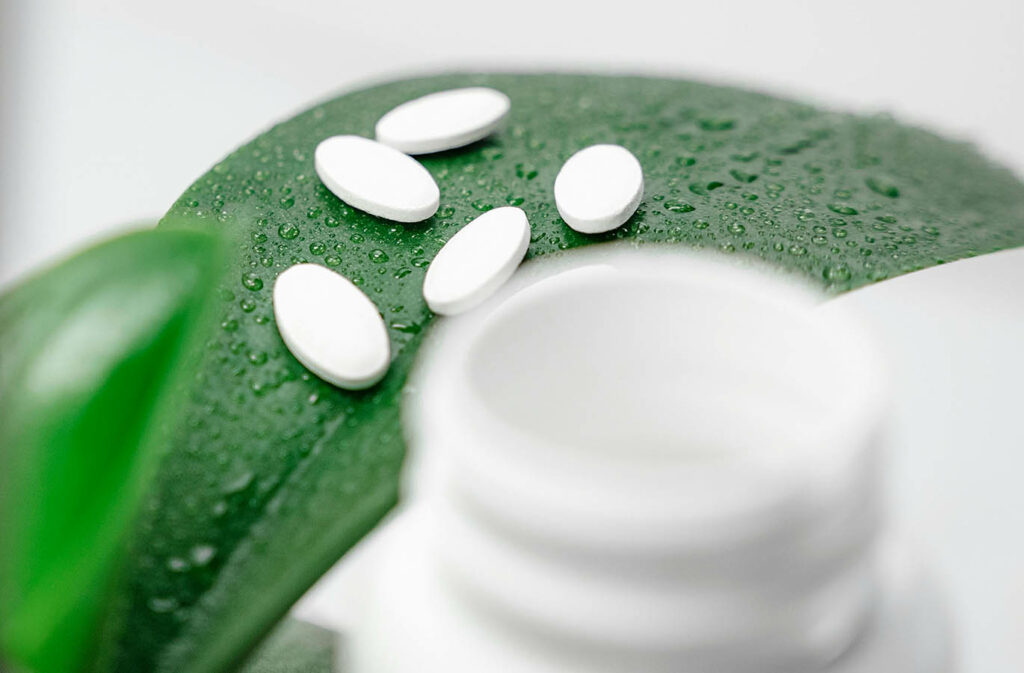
{"x": 331, "y": 327}
{"x": 599, "y": 188}
{"x": 443, "y": 120}
{"x": 376, "y": 178}
{"x": 476, "y": 261}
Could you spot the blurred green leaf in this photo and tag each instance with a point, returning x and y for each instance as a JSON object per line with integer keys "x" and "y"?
{"x": 90, "y": 350}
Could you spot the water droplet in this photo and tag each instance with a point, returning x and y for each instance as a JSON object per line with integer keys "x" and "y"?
{"x": 317, "y": 248}
{"x": 288, "y": 231}
{"x": 742, "y": 176}
{"x": 238, "y": 484}
{"x": 407, "y": 328}
{"x": 882, "y": 186}
{"x": 678, "y": 207}
{"x": 525, "y": 171}
{"x": 716, "y": 123}
{"x": 841, "y": 209}
{"x": 252, "y": 282}
{"x": 202, "y": 554}
{"x": 837, "y": 273}
{"x": 162, "y": 604}
{"x": 702, "y": 189}
{"x": 177, "y": 564}
{"x": 247, "y": 305}
{"x": 378, "y": 256}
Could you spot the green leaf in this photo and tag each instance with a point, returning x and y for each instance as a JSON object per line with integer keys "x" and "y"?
{"x": 274, "y": 474}
{"x": 90, "y": 350}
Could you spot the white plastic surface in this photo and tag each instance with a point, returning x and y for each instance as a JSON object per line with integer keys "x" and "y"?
{"x": 476, "y": 261}
{"x": 632, "y": 466}
{"x": 378, "y": 179}
{"x": 331, "y": 327}
{"x": 908, "y": 630}
{"x": 444, "y": 120}
{"x": 599, "y": 188}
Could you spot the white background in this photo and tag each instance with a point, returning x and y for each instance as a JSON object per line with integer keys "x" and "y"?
{"x": 110, "y": 108}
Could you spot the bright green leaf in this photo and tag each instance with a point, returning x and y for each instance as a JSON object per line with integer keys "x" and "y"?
{"x": 90, "y": 350}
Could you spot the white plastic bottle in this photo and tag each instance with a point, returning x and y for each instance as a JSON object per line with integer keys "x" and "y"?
{"x": 648, "y": 462}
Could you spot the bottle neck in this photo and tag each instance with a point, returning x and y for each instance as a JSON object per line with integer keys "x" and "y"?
{"x": 657, "y": 461}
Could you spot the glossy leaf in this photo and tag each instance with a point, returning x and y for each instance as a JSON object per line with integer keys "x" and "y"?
{"x": 274, "y": 474}
{"x": 91, "y": 350}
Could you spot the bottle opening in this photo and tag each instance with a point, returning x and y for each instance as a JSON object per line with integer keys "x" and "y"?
{"x": 631, "y": 362}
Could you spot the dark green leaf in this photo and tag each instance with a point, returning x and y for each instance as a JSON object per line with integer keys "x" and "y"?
{"x": 90, "y": 350}
{"x": 274, "y": 474}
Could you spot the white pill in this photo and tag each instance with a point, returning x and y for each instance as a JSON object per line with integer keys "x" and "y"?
{"x": 476, "y": 261}
{"x": 331, "y": 327}
{"x": 444, "y": 120}
{"x": 376, "y": 178}
{"x": 599, "y": 188}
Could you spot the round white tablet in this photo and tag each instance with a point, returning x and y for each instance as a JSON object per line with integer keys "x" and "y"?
{"x": 444, "y": 120}
{"x": 599, "y": 188}
{"x": 376, "y": 178}
{"x": 331, "y": 327}
{"x": 476, "y": 261}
